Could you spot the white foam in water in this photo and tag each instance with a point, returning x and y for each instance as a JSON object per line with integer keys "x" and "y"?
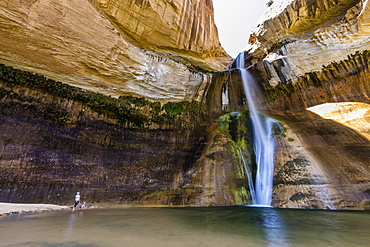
{"x": 258, "y": 206}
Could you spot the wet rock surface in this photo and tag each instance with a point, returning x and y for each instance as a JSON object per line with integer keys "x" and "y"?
{"x": 307, "y": 55}
{"x": 57, "y": 140}
{"x": 46, "y": 163}
{"x": 53, "y": 146}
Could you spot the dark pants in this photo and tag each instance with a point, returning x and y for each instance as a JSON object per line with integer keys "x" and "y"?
{"x": 76, "y": 203}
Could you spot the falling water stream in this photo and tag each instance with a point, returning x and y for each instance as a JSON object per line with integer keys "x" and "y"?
{"x": 263, "y": 143}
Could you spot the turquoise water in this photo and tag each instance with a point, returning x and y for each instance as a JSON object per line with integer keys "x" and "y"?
{"x": 171, "y": 227}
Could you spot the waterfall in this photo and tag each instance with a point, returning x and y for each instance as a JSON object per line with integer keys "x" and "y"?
{"x": 263, "y": 143}
{"x": 249, "y": 176}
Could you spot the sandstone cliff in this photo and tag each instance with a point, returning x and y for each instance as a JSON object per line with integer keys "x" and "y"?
{"x": 305, "y": 54}
{"x": 56, "y": 139}
{"x": 183, "y": 27}
{"x": 295, "y": 38}
{"x": 310, "y": 60}
{"x": 148, "y": 48}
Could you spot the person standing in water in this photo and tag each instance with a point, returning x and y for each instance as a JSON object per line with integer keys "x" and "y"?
{"x": 77, "y": 199}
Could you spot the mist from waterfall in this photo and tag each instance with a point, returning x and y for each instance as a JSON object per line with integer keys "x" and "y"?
{"x": 263, "y": 143}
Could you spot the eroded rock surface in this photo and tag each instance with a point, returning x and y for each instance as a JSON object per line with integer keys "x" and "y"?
{"x": 53, "y": 146}
{"x": 83, "y": 43}
{"x": 308, "y": 55}
{"x": 312, "y": 42}
{"x": 184, "y": 26}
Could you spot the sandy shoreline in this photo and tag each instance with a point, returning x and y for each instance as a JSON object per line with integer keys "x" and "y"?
{"x": 19, "y": 208}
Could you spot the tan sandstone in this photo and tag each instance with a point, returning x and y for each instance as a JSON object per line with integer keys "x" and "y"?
{"x": 79, "y": 43}
{"x": 310, "y": 35}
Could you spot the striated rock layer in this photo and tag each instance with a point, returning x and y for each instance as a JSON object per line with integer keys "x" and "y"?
{"x": 56, "y": 139}
{"x": 146, "y": 48}
{"x": 330, "y": 37}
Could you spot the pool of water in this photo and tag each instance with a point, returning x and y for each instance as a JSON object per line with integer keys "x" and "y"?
{"x": 172, "y": 227}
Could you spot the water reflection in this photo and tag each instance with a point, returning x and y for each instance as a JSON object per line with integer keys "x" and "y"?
{"x": 273, "y": 227}
{"x": 184, "y": 227}
{"x": 71, "y": 225}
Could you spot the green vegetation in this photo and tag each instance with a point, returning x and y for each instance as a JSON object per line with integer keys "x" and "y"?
{"x": 128, "y": 111}
{"x": 18, "y": 101}
{"x": 236, "y": 126}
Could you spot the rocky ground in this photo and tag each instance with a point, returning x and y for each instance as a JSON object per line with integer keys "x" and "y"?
{"x": 17, "y": 208}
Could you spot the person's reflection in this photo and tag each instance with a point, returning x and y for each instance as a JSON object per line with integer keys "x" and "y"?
{"x": 71, "y": 224}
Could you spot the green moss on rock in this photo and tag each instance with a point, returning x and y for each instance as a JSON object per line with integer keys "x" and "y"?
{"x": 128, "y": 111}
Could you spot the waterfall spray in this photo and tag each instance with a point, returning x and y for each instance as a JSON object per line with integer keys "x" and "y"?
{"x": 263, "y": 143}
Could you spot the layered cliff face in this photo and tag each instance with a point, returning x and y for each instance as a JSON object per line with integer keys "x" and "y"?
{"x": 56, "y": 139}
{"x": 296, "y": 38}
{"x": 91, "y": 44}
{"x": 311, "y": 59}
{"x": 311, "y": 62}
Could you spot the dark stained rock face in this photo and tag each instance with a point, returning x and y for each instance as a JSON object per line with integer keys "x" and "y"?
{"x": 56, "y": 140}
{"x": 42, "y": 161}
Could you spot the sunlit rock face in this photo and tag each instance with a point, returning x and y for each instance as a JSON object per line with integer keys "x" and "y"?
{"x": 315, "y": 55}
{"x": 309, "y": 34}
{"x": 340, "y": 153}
{"x": 87, "y": 44}
{"x": 184, "y": 26}
{"x": 300, "y": 44}
{"x": 351, "y": 114}
{"x": 299, "y": 182}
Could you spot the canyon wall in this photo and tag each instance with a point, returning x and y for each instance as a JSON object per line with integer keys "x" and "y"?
{"x": 106, "y": 98}
{"x": 185, "y": 27}
{"x": 57, "y": 139}
{"x": 311, "y": 60}
{"x": 153, "y": 49}
{"x": 300, "y": 44}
